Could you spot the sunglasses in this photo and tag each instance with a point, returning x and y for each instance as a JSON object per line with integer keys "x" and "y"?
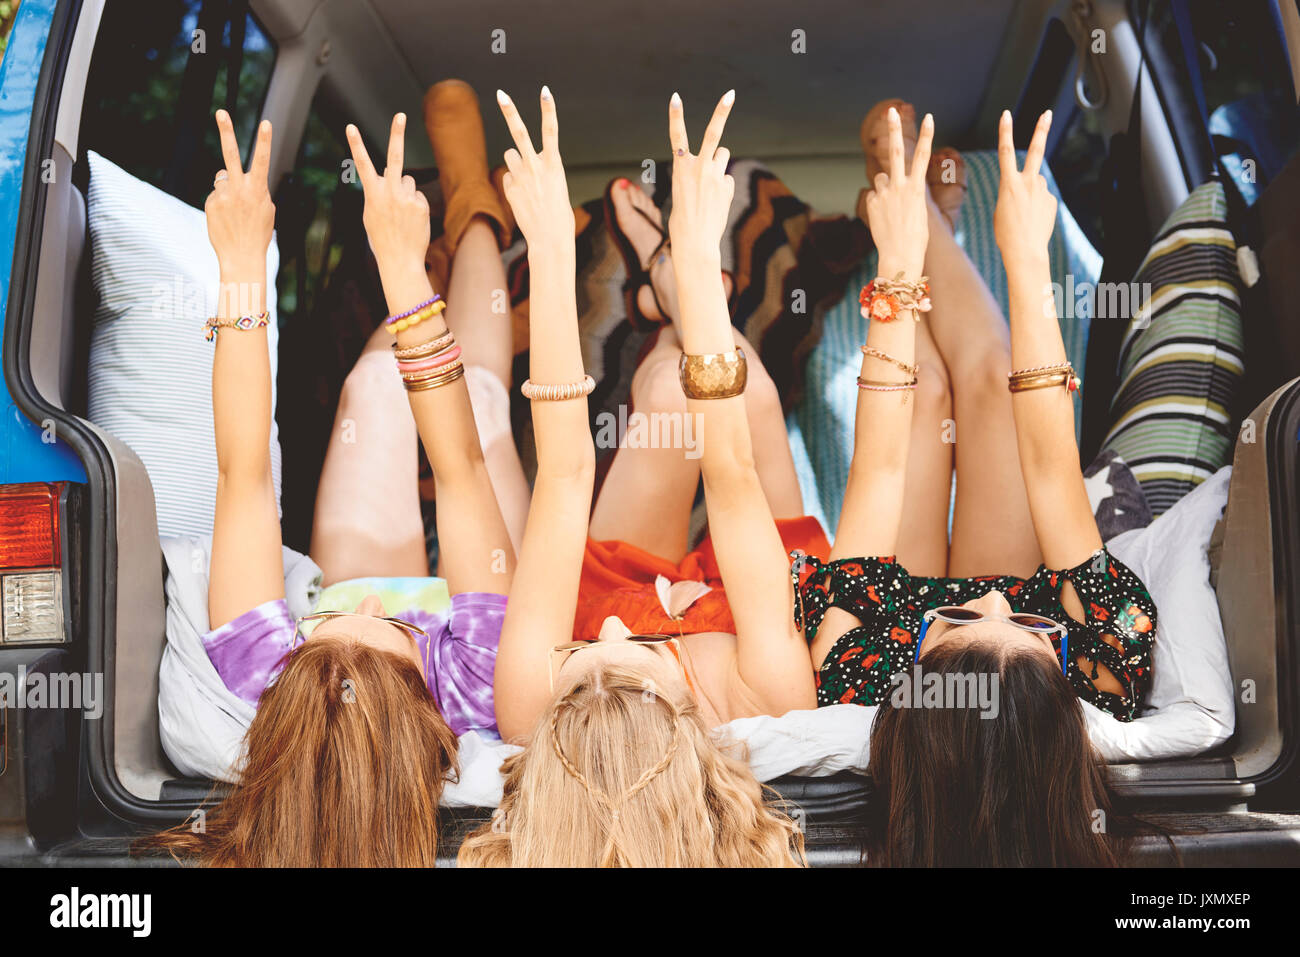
{"x": 406, "y": 626}
{"x": 560, "y": 653}
{"x": 957, "y": 615}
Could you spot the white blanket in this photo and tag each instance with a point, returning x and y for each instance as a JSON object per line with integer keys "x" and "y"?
{"x": 1190, "y": 708}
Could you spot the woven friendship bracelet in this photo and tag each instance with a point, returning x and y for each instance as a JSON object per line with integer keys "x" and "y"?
{"x": 243, "y": 324}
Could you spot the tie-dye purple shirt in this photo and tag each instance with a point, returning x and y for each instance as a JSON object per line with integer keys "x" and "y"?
{"x": 460, "y": 653}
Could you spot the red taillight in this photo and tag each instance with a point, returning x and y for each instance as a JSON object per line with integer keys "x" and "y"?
{"x": 29, "y": 525}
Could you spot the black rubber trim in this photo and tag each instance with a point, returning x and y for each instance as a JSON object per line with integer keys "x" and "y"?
{"x": 101, "y": 531}
{"x": 1280, "y": 784}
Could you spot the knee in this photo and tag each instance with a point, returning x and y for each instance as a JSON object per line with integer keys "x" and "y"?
{"x": 982, "y": 379}
{"x": 373, "y": 374}
{"x": 656, "y": 387}
{"x": 933, "y": 391}
{"x": 373, "y": 388}
{"x": 762, "y": 398}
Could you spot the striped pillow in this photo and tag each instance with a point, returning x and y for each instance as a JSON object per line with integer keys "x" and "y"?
{"x": 150, "y": 370}
{"x": 1181, "y": 359}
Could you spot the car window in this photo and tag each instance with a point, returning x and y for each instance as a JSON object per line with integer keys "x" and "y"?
{"x": 1249, "y": 94}
{"x": 159, "y": 70}
{"x": 306, "y": 203}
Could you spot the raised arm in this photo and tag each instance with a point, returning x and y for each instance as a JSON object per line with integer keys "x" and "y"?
{"x": 1049, "y": 457}
{"x": 772, "y": 658}
{"x": 545, "y": 593}
{"x": 247, "y": 567}
{"x": 473, "y": 533}
{"x": 873, "y": 497}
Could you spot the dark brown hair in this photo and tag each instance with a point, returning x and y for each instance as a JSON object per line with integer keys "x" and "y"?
{"x": 345, "y": 762}
{"x": 1022, "y": 788}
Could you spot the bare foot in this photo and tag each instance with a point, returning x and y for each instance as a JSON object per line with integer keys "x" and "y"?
{"x": 646, "y": 235}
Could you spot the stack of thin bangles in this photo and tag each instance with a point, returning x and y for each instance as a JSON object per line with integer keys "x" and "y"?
{"x": 1044, "y": 377}
{"x": 885, "y": 385}
{"x": 430, "y": 364}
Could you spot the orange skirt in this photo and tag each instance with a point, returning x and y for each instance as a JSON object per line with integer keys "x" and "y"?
{"x": 619, "y": 579}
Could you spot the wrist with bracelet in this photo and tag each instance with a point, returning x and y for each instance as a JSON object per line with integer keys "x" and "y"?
{"x": 1045, "y": 377}
{"x": 885, "y": 300}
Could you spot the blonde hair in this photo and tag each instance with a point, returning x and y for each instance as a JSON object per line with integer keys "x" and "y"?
{"x": 345, "y": 763}
{"x": 617, "y": 775}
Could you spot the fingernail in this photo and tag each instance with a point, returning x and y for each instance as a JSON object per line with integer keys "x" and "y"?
{"x": 893, "y": 113}
{"x": 729, "y": 97}
{"x": 675, "y": 102}
{"x": 546, "y": 92}
{"x": 401, "y": 119}
{"x": 621, "y": 183}
{"x": 1006, "y": 115}
{"x": 502, "y": 98}
{"x": 1047, "y": 115}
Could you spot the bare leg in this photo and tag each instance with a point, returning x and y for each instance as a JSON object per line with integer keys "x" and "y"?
{"x": 772, "y": 457}
{"x": 923, "y": 530}
{"x": 647, "y": 496}
{"x": 992, "y": 531}
{"x": 478, "y": 313}
{"x": 367, "y": 519}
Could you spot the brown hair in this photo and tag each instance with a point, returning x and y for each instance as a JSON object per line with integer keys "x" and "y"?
{"x": 344, "y": 765}
{"x": 1023, "y": 788}
{"x": 618, "y": 776}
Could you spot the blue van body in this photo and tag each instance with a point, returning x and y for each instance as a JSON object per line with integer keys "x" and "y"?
{"x": 29, "y": 452}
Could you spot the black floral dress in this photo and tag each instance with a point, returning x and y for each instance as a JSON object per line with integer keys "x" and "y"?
{"x": 889, "y": 602}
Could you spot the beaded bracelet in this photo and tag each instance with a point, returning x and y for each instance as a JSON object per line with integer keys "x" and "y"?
{"x": 558, "y": 393}
{"x": 406, "y": 320}
{"x": 886, "y": 357}
{"x": 412, "y": 311}
{"x": 243, "y": 324}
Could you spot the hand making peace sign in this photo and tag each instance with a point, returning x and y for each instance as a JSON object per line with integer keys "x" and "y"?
{"x": 239, "y": 210}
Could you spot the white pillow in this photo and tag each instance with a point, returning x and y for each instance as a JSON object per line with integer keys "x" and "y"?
{"x": 1191, "y": 707}
{"x": 150, "y": 384}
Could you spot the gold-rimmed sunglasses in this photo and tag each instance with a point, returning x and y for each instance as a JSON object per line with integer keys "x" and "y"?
{"x": 560, "y": 653}
{"x": 409, "y": 627}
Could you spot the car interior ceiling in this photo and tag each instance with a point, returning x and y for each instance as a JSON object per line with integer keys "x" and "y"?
{"x": 374, "y": 57}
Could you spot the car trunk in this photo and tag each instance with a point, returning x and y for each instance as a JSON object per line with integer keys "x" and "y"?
{"x": 130, "y": 782}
